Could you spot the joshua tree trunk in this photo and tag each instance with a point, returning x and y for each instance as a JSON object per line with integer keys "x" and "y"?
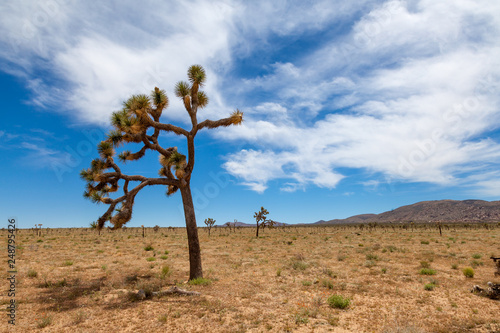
{"x": 257, "y": 233}
{"x": 195, "y": 269}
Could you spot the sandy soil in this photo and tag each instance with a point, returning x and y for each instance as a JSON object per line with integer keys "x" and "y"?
{"x": 73, "y": 280}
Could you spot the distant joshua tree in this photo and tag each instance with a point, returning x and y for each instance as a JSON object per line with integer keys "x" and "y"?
{"x": 139, "y": 122}
{"x": 262, "y": 221}
{"x": 156, "y": 228}
{"x": 210, "y": 223}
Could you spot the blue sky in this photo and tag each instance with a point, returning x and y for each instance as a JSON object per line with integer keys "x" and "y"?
{"x": 350, "y": 107}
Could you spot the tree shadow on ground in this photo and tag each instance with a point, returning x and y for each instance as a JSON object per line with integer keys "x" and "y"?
{"x": 64, "y": 295}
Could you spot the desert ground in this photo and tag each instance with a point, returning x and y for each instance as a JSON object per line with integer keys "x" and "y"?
{"x": 396, "y": 280}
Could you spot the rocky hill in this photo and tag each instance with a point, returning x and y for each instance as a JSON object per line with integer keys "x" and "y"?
{"x": 432, "y": 211}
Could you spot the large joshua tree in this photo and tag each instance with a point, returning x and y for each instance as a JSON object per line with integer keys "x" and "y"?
{"x": 139, "y": 122}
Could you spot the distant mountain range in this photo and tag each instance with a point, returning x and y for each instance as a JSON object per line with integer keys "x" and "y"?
{"x": 432, "y": 211}
{"x": 448, "y": 211}
{"x": 243, "y": 224}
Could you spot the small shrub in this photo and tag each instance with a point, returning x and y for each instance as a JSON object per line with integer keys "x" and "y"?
{"x": 278, "y": 272}
{"x": 300, "y": 319}
{"x": 306, "y": 283}
{"x": 79, "y": 317}
{"x": 427, "y": 271}
{"x": 163, "y": 318}
{"x": 468, "y": 272}
{"x": 429, "y": 286}
{"x": 475, "y": 263}
{"x": 327, "y": 284}
{"x": 338, "y": 302}
{"x": 384, "y": 270}
{"x": 45, "y": 321}
{"x": 476, "y": 256}
{"x": 454, "y": 266}
{"x": 163, "y": 257}
{"x": 298, "y": 262}
{"x": 425, "y": 264}
{"x": 329, "y": 272}
{"x": 148, "y": 247}
{"x": 371, "y": 256}
{"x": 200, "y": 282}
{"x": 32, "y": 273}
{"x": 369, "y": 263}
{"x": 68, "y": 263}
{"x": 391, "y": 248}
{"x": 424, "y": 242}
{"x": 62, "y": 283}
{"x": 165, "y": 272}
{"x": 151, "y": 259}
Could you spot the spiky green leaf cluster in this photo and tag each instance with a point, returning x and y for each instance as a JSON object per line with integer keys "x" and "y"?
{"x": 115, "y": 137}
{"x": 123, "y": 156}
{"x": 137, "y": 103}
{"x": 105, "y": 149}
{"x": 176, "y": 159}
{"x": 182, "y": 89}
{"x": 160, "y": 100}
{"x": 202, "y": 99}
{"x": 196, "y": 74}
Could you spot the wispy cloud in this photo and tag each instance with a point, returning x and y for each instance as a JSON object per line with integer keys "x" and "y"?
{"x": 39, "y": 156}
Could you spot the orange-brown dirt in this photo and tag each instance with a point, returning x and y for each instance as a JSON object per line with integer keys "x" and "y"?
{"x": 73, "y": 280}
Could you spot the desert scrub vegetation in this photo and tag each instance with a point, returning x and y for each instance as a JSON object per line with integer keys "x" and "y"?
{"x": 338, "y": 301}
{"x": 242, "y": 279}
{"x": 68, "y": 263}
{"x": 427, "y": 271}
{"x": 32, "y": 273}
{"x": 298, "y": 262}
{"x": 468, "y": 272}
{"x": 200, "y": 282}
{"x": 429, "y": 286}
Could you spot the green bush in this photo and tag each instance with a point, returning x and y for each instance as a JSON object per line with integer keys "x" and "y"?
{"x": 200, "y": 282}
{"x": 427, "y": 271}
{"x": 429, "y": 286}
{"x": 338, "y": 302}
{"x": 151, "y": 259}
{"x": 148, "y": 248}
{"x": 468, "y": 272}
{"x": 476, "y": 256}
